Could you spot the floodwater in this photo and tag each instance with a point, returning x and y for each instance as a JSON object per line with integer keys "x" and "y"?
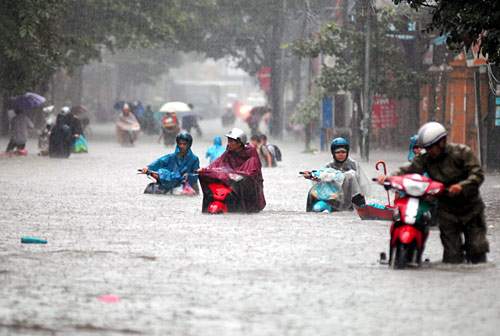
{"x": 180, "y": 272}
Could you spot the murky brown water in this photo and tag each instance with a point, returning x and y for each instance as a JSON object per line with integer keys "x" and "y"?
{"x": 179, "y": 272}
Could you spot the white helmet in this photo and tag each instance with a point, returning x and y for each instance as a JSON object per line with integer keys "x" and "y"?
{"x": 65, "y": 110}
{"x": 430, "y": 133}
{"x": 238, "y": 135}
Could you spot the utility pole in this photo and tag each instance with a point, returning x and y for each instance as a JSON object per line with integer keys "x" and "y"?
{"x": 282, "y": 79}
{"x": 276, "y": 57}
{"x": 366, "y": 122}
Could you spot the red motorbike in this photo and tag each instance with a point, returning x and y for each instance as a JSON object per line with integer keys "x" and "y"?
{"x": 220, "y": 198}
{"x": 224, "y": 190}
{"x": 411, "y": 218}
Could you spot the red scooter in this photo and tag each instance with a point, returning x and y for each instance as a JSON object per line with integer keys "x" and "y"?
{"x": 219, "y": 193}
{"x": 222, "y": 190}
{"x": 411, "y": 218}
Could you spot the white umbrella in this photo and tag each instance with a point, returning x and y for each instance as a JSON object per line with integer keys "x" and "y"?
{"x": 48, "y": 109}
{"x": 175, "y": 107}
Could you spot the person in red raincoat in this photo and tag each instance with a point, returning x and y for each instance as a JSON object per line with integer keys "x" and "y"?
{"x": 240, "y": 158}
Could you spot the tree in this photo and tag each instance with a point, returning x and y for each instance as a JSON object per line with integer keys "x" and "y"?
{"x": 40, "y": 37}
{"x": 31, "y": 46}
{"x": 148, "y": 34}
{"x": 252, "y": 32}
{"x": 136, "y": 66}
{"x": 390, "y": 74}
{"x": 465, "y": 23}
{"x": 307, "y": 114}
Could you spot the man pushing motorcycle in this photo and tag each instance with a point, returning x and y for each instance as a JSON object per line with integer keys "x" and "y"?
{"x": 460, "y": 211}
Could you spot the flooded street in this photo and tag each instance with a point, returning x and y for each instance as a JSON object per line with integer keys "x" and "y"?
{"x": 180, "y": 272}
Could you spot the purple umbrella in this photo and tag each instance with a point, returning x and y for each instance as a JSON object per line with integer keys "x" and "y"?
{"x": 26, "y": 101}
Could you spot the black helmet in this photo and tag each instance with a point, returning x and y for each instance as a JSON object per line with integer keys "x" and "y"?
{"x": 186, "y": 137}
{"x": 339, "y": 143}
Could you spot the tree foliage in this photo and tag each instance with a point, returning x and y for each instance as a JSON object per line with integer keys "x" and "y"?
{"x": 391, "y": 76}
{"x": 307, "y": 112}
{"x": 143, "y": 65}
{"x": 243, "y": 29}
{"x": 465, "y": 23}
{"x": 134, "y": 24}
{"x": 31, "y": 46}
{"x": 40, "y": 37}
{"x": 251, "y": 32}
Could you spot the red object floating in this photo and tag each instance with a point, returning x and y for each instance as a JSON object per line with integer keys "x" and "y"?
{"x": 109, "y": 298}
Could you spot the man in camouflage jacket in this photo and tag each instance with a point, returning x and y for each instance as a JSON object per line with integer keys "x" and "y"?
{"x": 460, "y": 210}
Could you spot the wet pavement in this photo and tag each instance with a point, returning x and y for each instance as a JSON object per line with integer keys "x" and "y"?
{"x": 180, "y": 272}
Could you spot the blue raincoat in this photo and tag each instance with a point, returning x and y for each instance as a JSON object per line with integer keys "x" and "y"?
{"x": 413, "y": 140}
{"x": 411, "y": 155}
{"x": 216, "y": 150}
{"x": 171, "y": 168}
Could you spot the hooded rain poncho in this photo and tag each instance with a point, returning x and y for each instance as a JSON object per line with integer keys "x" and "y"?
{"x": 413, "y": 141}
{"x": 171, "y": 168}
{"x": 245, "y": 163}
{"x": 216, "y": 150}
{"x": 61, "y": 139}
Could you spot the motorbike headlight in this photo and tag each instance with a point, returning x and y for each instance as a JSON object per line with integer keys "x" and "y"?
{"x": 415, "y": 188}
{"x": 434, "y": 191}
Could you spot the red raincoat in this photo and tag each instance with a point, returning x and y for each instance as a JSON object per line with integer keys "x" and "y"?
{"x": 245, "y": 163}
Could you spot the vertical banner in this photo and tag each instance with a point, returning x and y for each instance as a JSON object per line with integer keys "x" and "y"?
{"x": 497, "y": 111}
{"x": 264, "y": 76}
{"x": 327, "y": 113}
{"x": 326, "y": 119}
{"x": 384, "y": 113}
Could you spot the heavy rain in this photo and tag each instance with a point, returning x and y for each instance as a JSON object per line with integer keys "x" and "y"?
{"x": 85, "y": 251}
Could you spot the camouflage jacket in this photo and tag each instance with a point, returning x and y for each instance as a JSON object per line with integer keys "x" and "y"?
{"x": 456, "y": 165}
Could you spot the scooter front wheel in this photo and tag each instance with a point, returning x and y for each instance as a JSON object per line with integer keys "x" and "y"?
{"x": 399, "y": 255}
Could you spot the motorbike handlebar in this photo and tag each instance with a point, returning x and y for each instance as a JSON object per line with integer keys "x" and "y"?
{"x": 309, "y": 176}
{"x": 386, "y": 184}
{"x": 148, "y": 173}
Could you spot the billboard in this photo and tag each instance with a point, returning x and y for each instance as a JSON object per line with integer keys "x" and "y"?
{"x": 384, "y": 112}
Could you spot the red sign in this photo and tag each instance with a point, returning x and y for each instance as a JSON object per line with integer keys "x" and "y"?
{"x": 384, "y": 113}
{"x": 473, "y": 57}
{"x": 264, "y": 76}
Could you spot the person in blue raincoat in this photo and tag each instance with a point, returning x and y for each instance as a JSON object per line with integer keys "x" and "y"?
{"x": 177, "y": 168}
{"x": 415, "y": 147}
{"x": 216, "y": 150}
